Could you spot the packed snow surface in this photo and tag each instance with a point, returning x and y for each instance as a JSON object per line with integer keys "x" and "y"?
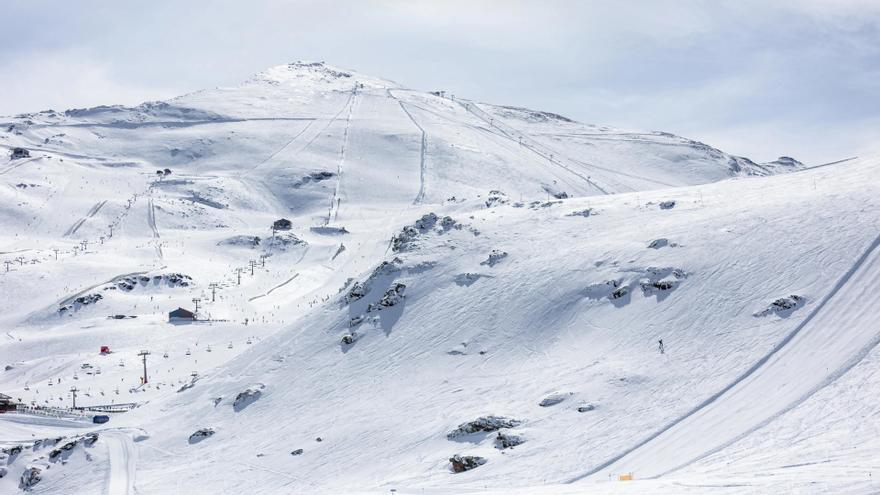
{"x": 409, "y": 291}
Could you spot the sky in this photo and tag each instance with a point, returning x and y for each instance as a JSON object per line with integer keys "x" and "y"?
{"x": 754, "y": 78}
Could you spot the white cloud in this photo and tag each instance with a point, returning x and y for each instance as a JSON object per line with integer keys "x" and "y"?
{"x": 66, "y": 79}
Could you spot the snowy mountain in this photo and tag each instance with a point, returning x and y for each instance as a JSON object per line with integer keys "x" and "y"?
{"x": 395, "y": 285}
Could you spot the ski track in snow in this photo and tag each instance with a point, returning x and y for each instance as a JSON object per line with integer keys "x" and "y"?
{"x": 513, "y": 134}
{"x": 17, "y": 164}
{"x": 122, "y": 453}
{"x": 783, "y": 378}
{"x": 92, "y": 212}
{"x": 282, "y": 284}
{"x": 423, "y": 152}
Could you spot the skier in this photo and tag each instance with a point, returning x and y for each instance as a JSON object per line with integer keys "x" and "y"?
{"x": 662, "y": 350}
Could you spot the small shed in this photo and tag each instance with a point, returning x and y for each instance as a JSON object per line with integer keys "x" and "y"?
{"x": 282, "y": 224}
{"x": 6, "y": 403}
{"x": 20, "y": 153}
{"x": 105, "y": 349}
{"x": 181, "y": 315}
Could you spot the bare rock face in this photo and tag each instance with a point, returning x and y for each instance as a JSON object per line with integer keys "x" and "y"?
{"x": 29, "y": 478}
{"x": 462, "y": 463}
{"x": 783, "y": 306}
{"x": 248, "y": 396}
{"x": 506, "y": 440}
{"x": 667, "y": 205}
{"x": 391, "y": 297}
{"x": 483, "y": 423}
{"x": 407, "y": 238}
{"x": 553, "y": 399}
{"x": 495, "y": 257}
{"x": 201, "y": 434}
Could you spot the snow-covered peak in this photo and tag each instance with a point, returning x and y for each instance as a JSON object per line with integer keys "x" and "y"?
{"x": 308, "y": 74}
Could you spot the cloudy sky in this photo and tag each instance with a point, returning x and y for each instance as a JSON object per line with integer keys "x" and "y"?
{"x": 795, "y": 77}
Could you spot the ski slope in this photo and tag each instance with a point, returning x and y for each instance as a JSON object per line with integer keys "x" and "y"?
{"x": 837, "y": 335}
{"x": 526, "y": 255}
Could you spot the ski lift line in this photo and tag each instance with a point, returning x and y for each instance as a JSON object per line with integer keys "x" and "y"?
{"x": 475, "y": 128}
{"x": 335, "y": 200}
{"x": 276, "y": 153}
{"x": 548, "y": 155}
{"x": 295, "y": 137}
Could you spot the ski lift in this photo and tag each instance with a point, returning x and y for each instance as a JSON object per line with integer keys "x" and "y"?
{"x": 188, "y": 352}
{"x": 209, "y": 348}
{"x": 249, "y": 341}
{"x": 229, "y": 346}
{"x": 165, "y": 355}
{"x": 98, "y": 370}
{"x": 26, "y": 386}
{"x": 122, "y": 363}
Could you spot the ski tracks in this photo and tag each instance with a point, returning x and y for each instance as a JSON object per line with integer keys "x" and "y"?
{"x": 335, "y": 199}
{"x": 151, "y": 219}
{"x": 801, "y": 364}
{"x": 423, "y": 152}
{"x": 122, "y": 454}
{"x": 92, "y": 212}
{"x": 518, "y": 137}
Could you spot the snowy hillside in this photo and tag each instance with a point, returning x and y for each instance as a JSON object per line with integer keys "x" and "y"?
{"x": 449, "y": 285}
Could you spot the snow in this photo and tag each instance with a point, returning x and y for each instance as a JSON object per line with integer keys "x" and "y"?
{"x": 514, "y": 231}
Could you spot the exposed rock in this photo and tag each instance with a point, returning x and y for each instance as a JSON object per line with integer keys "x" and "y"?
{"x": 553, "y": 399}
{"x": 619, "y": 293}
{"x": 328, "y": 230}
{"x": 248, "y": 396}
{"x": 603, "y": 289}
{"x": 201, "y": 434}
{"x": 408, "y": 236}
{"x": 483, "y": 423}
{"x": 466, "y": 279}
{"x": 81, "y": 301}
{"x": 506, "y": 440}
{"x": 783, "y": 306}
{"x": 496, "y": 198}
{"x": 495, "y": 257}
{"x": 349, "y": 338}
{"x": 297, "y": 452}
{"x": 462, "y": 463}
{"x": 658, "y": 243}
{"x": 391, "y": 297}
{"x": 127, "y": 284}
{"x": 89, "y": 439}
{"x": 360, "y": 289}
{"x": 357, "y": 291}
{"x": 667, "y": 205}
{"x": 281, "y": 242}
{"x": 314, "y": 177}
{"x": 661, "y": 279}
{"x": 582, "y": 213}
{"x": 586, "y": 408}
{"x": 29, "y": 478}
{"x": 249, "y": 241}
